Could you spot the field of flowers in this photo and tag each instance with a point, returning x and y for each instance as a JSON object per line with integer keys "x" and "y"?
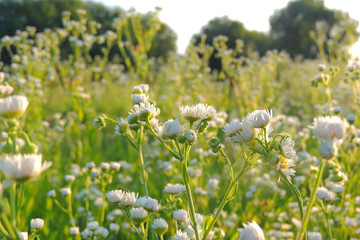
{"x": 139, "y": 148}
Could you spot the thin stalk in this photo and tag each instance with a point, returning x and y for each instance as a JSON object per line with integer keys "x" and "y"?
{"x": 295, "y": 191}
{"x": 305, "y": 219}
{"x": 13, "y": 204}
{"x": 142, "y": 164}
{"x": 328, "y": 225}
{"x": 19, "y": 206}
{"x": 127, "y": 211}
{"x": 328, "y": 95}
{"x": 222, "y": 152}
{"x": 9, "y": 227}
{"x": 188, "y": 191}
{"x": 224, "y": 200}
{"x": 163, "y": 143}
{"x": 3, "y": 230}
{"x": 102, "y": 216}
{"x": 70, "y": 211}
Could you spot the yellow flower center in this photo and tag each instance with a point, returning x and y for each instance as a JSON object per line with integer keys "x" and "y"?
{"x": 283, "y": 162}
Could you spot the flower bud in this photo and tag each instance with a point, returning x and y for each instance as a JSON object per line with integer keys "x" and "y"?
{"x": 29, "y": 148}
{"x": 139, "y": 215}
{"x": 328, "y": 150}
{"x": 272, "y": 158}
{"x": 132, "y": 118}
{"x": 214, "y": 142}
{"x": 135, "y": 126}
{"x": 190, "y": 136}
{"x": 181, "y": 138}
{"x": 145, "y": 114}
{"x": 8, "y": 147}
{"x": 351, "y": 118}
{"x": 203, "y": 126}
{"x": 160, "y": 226}
{"x": 100, "y": 121}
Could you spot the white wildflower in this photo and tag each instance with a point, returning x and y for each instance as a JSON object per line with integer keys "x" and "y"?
{"x": 20, "y": 167}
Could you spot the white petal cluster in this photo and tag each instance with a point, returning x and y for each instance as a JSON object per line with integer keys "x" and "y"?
{"x": 179, "y": 235}
{"x": 325, "y": 194}
{"x": 172, "y": 128}
{"x": 287, "y": 157}
{"x": 13, "y": 106}
{"x": 181, "y": 215}
{"x": 251, "y": 231}
{"x": 329, "y": 128}
{"x": 145, "y": 107}
{"x": 92, "y": 225}
{"x": 139, "y": 98}
{"x": 138, "y": 214}
{"x": 20, "y": 167}
{"x": 101, "y": 231}
{"x": 37, "y": 223}
{"x": 239, "y": 132}
{"x": 174, "y": 188}
{"x": 6, "y": 89}
{"x": 74, "y": 231}
{"x": 160, "y": 226}
{"x": 259, "y": 118}
{"x": 198, "y": 112}
{"x": 114, "y": 196}
{"x": 314, "y": 236}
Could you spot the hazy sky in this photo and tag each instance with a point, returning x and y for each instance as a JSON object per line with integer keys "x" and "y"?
{"x": 186, "y": 17}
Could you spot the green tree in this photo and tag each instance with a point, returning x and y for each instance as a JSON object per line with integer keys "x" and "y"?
{"x": 292, "y": 25}
{"x": 233, "y": 30}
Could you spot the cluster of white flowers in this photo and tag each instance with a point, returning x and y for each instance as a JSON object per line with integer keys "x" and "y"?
{"x": 246, "y": 130}
{"x": 124, "y": 199}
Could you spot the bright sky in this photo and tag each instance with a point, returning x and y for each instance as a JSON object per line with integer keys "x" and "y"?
{"x": 186, "y": 17}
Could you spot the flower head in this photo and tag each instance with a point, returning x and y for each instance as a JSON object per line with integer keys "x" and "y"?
{"x": 115, "y": 196}
{"x": 287, "y": 157}
{"x": 181, "y": 215}
{"x": 138, "y": 214}
{"x": 13, "y": 106}
{"x": 329, "y": 128}
{"x": 259, "y": 118}
{"x": 251, "y": 231}
{"x": 172, "y": 128}
{"x": 37, "y": 223}
{"x": 160, "y": 226}
{"x": 179, "y": 235}
{"x": 174, "y": 188}
{"x": 198, "y": 112}
{"x": 20, "y": 167}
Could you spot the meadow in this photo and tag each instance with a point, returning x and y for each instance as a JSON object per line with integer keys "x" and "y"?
{"x": 142, "y": 148}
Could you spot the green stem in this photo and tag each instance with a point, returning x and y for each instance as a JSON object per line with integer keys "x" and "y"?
{"x": 295, "y": 191}
{"x": 328, "y": 224}
{"x": 305, "y": 219}
{"x": 222, "y": 152}
{"x": 188, "y": 190}
{"x": 3, "y": 230}
{"x": 19, "y": 206}
{"x": 102, "y": 216}
{"x": 13, "y": 204}
{"x": 144, "y": 177}
{"x": 328, "y": 94}
{"x": 9, "y": 227}
{"x": 70, "y": 211}
{"x": 163, "y": 143}
{"x": 224, "y": 200}
{"x": 127, "y": 211}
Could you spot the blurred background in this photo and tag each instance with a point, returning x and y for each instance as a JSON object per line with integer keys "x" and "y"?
{"x": 294, "y": 26}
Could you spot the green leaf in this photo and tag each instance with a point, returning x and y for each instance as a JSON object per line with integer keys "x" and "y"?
{"x": 233, "y": 191}
{"x": 185, "y": 173}
{"x": 206, "y": 224}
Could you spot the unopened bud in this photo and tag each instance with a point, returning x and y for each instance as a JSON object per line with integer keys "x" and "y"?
{"x": 328, "y": 150}
{"x": 132, "y": 118}
{"x": 100, "y": 121}
{"x": 190, "y": 136}
{"x": 203, "y": 126}
{"x": 181, "y": 138}
{"x": 145, "y": 115}
{"x": 29, "y": 148}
